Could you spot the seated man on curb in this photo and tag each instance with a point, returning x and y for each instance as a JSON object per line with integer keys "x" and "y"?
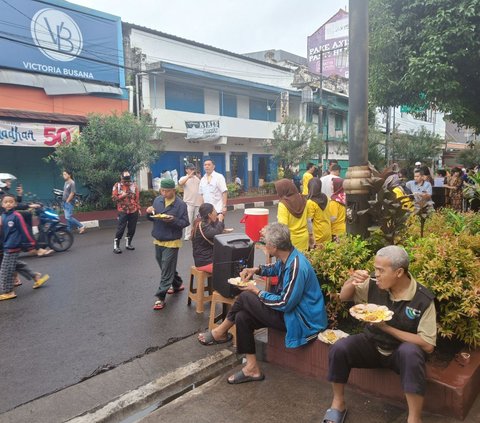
{"x": 400, "y": 344}
{"x": 295, "y": 305}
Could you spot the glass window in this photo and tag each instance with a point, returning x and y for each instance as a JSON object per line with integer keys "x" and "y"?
{"x": 338, "y": 123}
{"x": 262, "y": 110}
{"x": 184, "y": 98}
{"x": 228, "y": 104}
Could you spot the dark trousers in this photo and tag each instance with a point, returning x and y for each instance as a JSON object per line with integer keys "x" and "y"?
{"x": 167, "y": 260}
{"x": 249, "y": 313}
{"x": 356, "y": 351}
{"x": 128, "y": 220}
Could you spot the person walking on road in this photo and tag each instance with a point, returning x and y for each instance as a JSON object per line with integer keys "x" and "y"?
{"x": 127, "y": 196}
{"x": 213, "y": 187}
{"x": 68, "y": 199}
{"x": 306, "y": 178}
{"x": 191, "y": 196}
{"x": 15, "y": 236}
{"x": 169, "y": 216}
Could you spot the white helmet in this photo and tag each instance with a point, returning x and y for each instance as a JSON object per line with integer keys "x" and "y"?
{"x": 6, "y": 177}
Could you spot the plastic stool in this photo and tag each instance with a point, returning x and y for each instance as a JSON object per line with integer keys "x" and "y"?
{"x": 214, "y": 318}
{"x": 198, "y": 294}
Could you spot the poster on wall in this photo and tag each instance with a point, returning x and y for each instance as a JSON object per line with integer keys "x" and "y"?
{"x": 202, "y": 129}
{"x": 26, "y": 134}
{"x": 327, "y": 48}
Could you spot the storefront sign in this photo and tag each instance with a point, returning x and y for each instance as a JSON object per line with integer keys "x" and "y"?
{"x": 24, "y": 134}
{"x": 202, "y": 129}
{"x": 62, "y": 39}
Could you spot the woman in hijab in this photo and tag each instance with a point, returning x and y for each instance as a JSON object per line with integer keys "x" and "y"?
{"x": 318, "y": 214}
{"x": 337, "y": 209}
{"x": 396, "y": 185}
{"x": 292, "y": 211}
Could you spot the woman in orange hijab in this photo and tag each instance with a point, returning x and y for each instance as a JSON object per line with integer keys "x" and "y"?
{"x": 292, "y": 211}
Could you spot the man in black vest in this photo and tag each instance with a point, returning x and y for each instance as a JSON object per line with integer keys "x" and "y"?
{"x": 400, "y": 344}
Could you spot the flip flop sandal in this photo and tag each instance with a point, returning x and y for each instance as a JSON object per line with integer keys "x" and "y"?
{"x": 334, "y": 415}
{"x": 17, "y": 282}
{"x": 210, "y": 340}
{"x": 175, "y": 290}
{"x": 241, "y": 377}
{"x": 159, "y": 305}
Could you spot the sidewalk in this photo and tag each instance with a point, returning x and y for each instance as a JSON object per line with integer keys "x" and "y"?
{"x": 179, "y": 383}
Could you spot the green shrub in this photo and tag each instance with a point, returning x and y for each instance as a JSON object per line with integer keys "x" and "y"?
{"x": 147, "y": 197}
{"x": 446, "y": 260}
{"x": 233, "y": 190}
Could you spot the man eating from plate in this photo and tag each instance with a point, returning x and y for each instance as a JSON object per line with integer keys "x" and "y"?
{"x": 400, "y": 344}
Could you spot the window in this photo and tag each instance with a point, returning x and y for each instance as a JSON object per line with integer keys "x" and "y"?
{"x": 338, "y": 123}
{"x": 228, "y": 104}
{"x": 262, "y": 110}
{"x": 184, "y": 98}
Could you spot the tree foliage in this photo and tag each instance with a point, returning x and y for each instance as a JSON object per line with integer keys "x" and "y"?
{"x": 411, "y": 147}
{"x": 470, "y": 157}
{"x": 424, "y": 53}
{"x": 108, "y": 145}
{"x": 295, "y": 141}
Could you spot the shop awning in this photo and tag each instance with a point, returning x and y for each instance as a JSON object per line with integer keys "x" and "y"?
{"x": 55, "y": 85}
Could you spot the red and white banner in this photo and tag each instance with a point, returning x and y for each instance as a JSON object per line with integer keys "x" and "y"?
{"x": 26, "y": 134}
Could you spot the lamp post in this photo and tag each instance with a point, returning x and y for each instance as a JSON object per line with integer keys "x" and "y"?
{"x": 358, "y": 172}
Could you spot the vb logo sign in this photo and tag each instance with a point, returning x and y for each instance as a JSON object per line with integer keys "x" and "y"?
{"x": 56, "y": 34}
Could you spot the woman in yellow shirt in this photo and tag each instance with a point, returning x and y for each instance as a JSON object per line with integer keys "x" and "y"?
{"x": 292, "y": 211}
{"x": 337, "y": 209}
{"x": 318, "y": 213}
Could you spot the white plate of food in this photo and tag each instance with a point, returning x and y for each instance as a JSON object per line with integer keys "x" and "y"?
{"x": 330, "y": 336}
{"x": 238, "y": 282}
{"x": 371, "y": 313}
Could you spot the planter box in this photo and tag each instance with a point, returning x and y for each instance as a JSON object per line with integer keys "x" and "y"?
{"x": 451, "y": 391}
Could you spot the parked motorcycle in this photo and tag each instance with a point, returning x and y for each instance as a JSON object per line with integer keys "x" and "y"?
{"x": 51, "y": 231}
{"x": 58, "y": 199}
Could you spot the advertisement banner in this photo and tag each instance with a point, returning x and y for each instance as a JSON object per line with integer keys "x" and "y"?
{"x": 61, "y": 39}
{"x": 327, "y": 49}
{"x": 202, "y": 129}
{"x": 26, "y": 134}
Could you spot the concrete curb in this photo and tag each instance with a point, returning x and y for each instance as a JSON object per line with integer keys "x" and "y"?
{"x": 163, "y": 388}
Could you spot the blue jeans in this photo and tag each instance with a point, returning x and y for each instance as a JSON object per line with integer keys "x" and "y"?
{"x": 71, "y": 221}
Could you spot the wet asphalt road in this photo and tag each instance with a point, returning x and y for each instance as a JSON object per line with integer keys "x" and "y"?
{"x": 94, "y": 312}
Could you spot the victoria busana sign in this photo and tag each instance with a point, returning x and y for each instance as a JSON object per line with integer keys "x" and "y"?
{"x": 62, "y": 39}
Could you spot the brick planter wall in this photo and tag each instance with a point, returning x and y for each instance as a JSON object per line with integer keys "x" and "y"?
{"x": 451, "y": 391}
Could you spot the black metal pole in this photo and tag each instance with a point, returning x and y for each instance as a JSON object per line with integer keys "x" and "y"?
{"x": 357, "y": 193}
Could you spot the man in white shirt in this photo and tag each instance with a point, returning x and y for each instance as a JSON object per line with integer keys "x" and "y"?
{"x": 191, "y": 196}
{"x": 327, "y": 184}
{"x": 213, "y": 187}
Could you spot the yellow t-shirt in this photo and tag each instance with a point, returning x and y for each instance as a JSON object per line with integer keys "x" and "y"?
{"x": 306, "y": 177}
{"x": 297, "y": 225}
{"x": 338, "y": 216}
{"x": 176, "y": 243}
{"x": 322, "y": 226}
{"x": 407, "y": 202}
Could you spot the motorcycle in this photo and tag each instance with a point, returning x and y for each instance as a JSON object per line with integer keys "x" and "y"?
{"x": 51, "y": 231}
{"x": 58, "y": 199}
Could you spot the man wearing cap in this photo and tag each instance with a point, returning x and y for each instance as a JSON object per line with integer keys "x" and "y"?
{"x": 169, "y": 216}
{"x": 213, "y": 187}
{"x": 127, "y": 197}
{"x": 191, "y": 196}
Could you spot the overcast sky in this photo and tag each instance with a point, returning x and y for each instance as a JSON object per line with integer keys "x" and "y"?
{"x": 239, "y": 26}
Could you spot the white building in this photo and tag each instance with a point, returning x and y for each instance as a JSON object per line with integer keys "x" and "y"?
{"x": 231, "y": 103}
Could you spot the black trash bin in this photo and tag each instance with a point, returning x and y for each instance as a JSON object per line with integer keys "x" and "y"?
{"x": 231, "y": 254}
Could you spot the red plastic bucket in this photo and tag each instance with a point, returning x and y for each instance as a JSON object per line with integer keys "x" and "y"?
{"x": 255, "y": 220}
